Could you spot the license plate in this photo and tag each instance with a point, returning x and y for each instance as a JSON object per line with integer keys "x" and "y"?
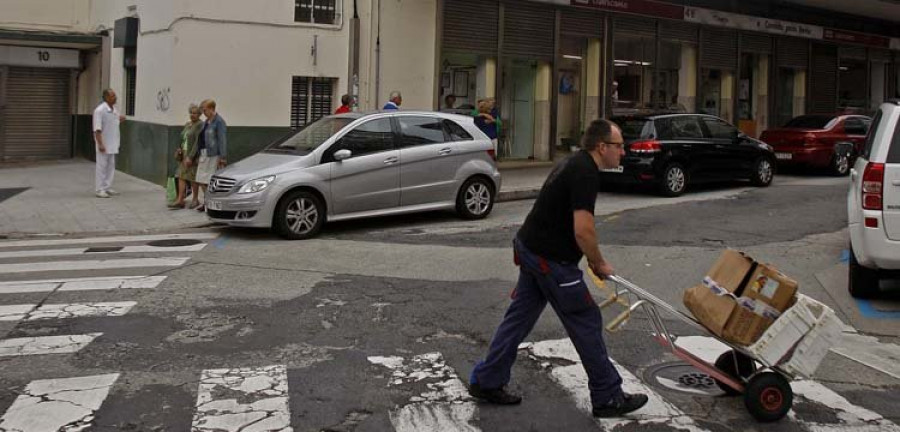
{"x": 618, "y": 169}
{"x": 214, "y": 205}
{"x": 784, "y": 156}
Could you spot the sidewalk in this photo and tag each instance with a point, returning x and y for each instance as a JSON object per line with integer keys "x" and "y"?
{"x": 58, "y": 198}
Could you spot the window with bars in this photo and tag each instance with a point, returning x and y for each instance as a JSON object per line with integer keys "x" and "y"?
{"x": 311, "y": 99}
{"x": 130, "y": 89}
{"x": 315, "y": 11}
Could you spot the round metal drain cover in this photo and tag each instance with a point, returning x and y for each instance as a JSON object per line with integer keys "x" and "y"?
{"x": 174, "y": 242}
{"x": 683, "y": 378}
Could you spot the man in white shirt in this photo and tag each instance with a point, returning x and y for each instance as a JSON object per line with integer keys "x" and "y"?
{"x": 106, "y": 137}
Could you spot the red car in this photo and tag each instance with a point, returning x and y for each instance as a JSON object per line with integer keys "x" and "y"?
{"x": 819, "y": 140}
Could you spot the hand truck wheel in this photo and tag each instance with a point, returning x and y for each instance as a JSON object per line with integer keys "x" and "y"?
{"x": 768, "y": 396}
{"x": 737, "y": 366}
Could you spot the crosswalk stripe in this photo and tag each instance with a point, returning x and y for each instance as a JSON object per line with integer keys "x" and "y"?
{"x": 66, "y": 404}
{"x": 574, "y": 380}
{"x": 100, "y": 240}
{"x": 445, "y": 407}
{"x": 29, "y": 312}
{"x": 81, "y": 284}
{"x": 884, "y": 357}
{"x": 45, "y": 345}
{"x": 91, "y": 265}
{"x": 851, "y": 417}
{"x": 87, "y": 251}
{"x": 257, "y": 400}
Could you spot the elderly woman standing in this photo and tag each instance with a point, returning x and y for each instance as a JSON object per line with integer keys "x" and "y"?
{"x": 190, "y": 152}
{"x": 486, "y": 120}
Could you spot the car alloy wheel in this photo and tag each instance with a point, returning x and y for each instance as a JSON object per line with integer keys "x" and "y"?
{"x": 302, "y": 216}
{"x": 840, "y": 166}
{"x": 764, "y": 172}
{"x": 299, "y": 215}
{"x": 475, "y": 199}
{"x": 674, "y": 180}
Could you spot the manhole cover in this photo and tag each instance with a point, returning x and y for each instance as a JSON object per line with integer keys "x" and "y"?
{"x": 174, "y": 242}
{"x": 683, "y": 378}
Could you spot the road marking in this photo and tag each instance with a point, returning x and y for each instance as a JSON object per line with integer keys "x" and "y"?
{"x": 883, "y": 357}
{"x": 84, "y": 251}
{"x": 446, "y": 406}
{"x": 114, "y": 239}
{"x": 81, "y": 284}
{"x": 263, "y": 396}
{"x": 45, "y": 345}
{"x": 92, "y": 265}
{"x": 15, "y": 312}
{"x": 574, "y": 380}
{"x": 66, "y": 404}
{"x": 28, "y": 312}
{"x": 850, "y": 417}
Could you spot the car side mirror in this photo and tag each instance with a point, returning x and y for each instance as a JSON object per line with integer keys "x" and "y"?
{"x": 342, "y": 154}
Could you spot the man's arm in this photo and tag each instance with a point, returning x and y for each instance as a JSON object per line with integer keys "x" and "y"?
{"x": 586, "y": 237}
{"x": 98, "y": 135}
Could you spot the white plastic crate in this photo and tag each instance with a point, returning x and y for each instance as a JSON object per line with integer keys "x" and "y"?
{"x": 810, "y": 352}
{"x": 778, "y": 340}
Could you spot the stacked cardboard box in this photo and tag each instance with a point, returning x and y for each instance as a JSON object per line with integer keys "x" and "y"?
{"x": 740, "y": 298}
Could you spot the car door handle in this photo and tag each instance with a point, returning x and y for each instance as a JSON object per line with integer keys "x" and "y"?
{"x": 895, "y": 182}
{"x": 391, "y": 160}
{"x": 445, "y": 151}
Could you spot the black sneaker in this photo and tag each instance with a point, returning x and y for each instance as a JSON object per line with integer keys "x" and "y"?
{"x": 621, "y": 405}
{"x": 497, "y": 396}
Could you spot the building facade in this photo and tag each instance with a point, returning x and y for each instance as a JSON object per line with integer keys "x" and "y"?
{"x": 551, "y": 65}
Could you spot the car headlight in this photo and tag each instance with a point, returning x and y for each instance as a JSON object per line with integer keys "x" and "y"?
{"x": 256, "y": 185}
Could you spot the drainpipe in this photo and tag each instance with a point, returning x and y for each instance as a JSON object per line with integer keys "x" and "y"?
{"x": 378, "y": 59}
{"x": 353, "y": 76}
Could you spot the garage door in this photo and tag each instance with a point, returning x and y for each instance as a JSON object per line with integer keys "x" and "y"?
{"x": 36, "y": 120}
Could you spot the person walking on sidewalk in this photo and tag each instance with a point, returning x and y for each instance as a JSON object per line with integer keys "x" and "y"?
{"x": 213, "y": 147}
{"x": 106, "y": 121}
{"x": 187, "y": 164}
{"x": 345, "y": 105}
{"x": 557, "y": 232}
{"x": 394, "y": 102}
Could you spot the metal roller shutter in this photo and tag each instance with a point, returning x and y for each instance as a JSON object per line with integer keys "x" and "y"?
{"x": 471, "y": 26}
{"x": 792, "y": 52}
{"x": 37, "y": 119}
{"x": 756, "y": 43}
{"x": 719, "y": 49}
{"x": 636, "y": 25}
{"x": 678, "y": 31}
{"x": 823, "y": 79}
{"x": 528, "y": 30}
{"x": 880, "y": 55}
{"x": 852, "y": 52}
{"x": 578, "y": 22}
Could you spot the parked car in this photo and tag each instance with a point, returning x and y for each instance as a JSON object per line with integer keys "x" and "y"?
{"x": 873, "y": 205}
{"x": 672, "y": 151}
{"x": 820, "y": 141}
{"x": 355, "y": 165}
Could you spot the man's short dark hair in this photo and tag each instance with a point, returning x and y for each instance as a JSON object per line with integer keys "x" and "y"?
{"x": 345, "y": 99}
{"x": 600, "y": 130}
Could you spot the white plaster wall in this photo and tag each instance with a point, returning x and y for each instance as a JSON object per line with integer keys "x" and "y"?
{"x": 59, "y": 15}
{"x": 155, "y": 72}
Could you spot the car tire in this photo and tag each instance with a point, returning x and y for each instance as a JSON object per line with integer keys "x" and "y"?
{"x": 674, "y": 180}
{"x": 840, "y": 165}
{"x": 299, "y": 215}
{"x": 475, "y": 198}
{"x": 862, "y": 281}
{"x": 763, "y": 172}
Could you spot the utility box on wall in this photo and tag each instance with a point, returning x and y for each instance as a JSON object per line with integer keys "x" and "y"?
{"x": 126, "y": 33}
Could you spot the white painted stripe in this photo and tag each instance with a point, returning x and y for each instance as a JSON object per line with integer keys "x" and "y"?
{"x": 15, "y": 312}
{"x": 91, "y": 265}
{"x": 80, "y": 310}
{"x": 45, "y": 345}
{"x": 102, "y": 240}
{"x": 81, "y": 284}
{"x": 574, "y": 380}
{"x": 851, "y": 417}
{"x": 83, "y": 251}
{"x": 62, "y": 280}
{"x": 66, "y": 404}
{"x": 263, "y": 406}
{"x": 884, "y": 357}
{"x": 446, "y": 407}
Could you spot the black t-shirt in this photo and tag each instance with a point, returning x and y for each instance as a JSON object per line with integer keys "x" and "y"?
{"x": 549, "y": 229}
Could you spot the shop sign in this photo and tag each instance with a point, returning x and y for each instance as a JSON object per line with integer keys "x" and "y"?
{"x": 751, "y": 23}
{"x": 857, "y": 38}
{"x": 39, "y": 57}
{"x": 640, "y": 7}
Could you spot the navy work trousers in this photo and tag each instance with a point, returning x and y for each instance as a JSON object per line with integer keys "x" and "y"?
{"x": 561, "y": 284}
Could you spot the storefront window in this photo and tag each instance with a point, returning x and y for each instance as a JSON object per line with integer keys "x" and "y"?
{"x": 570, "y": 105}
{"x": 676, "y": 78}
{"x": 784, "y": 108}
{"x": 717, "y": 89}
{"x": 634, "y": 59}
{"x": 464, "y": 80}
{"x": 852, "y": 85}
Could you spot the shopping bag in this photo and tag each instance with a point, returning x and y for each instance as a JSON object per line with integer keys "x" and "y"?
{"x": 171, "y": 190}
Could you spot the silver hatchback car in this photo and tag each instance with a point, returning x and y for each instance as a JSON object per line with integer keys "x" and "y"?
{"x": 356, "y": 165}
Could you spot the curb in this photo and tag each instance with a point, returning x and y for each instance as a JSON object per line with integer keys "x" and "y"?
{"x": 517, "y": 194}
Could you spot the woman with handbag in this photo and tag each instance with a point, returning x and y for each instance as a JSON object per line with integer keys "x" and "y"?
{"x": 186, "y": 155}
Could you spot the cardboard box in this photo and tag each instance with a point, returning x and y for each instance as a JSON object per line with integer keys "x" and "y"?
{"x": 721, "y": 314}
{"x": 771, "y": 287}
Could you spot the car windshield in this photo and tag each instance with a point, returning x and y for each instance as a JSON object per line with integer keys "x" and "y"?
{"x": 310, "y": 137}
{"x": 810, "y": 122}
{"x": 632, "y": 128}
